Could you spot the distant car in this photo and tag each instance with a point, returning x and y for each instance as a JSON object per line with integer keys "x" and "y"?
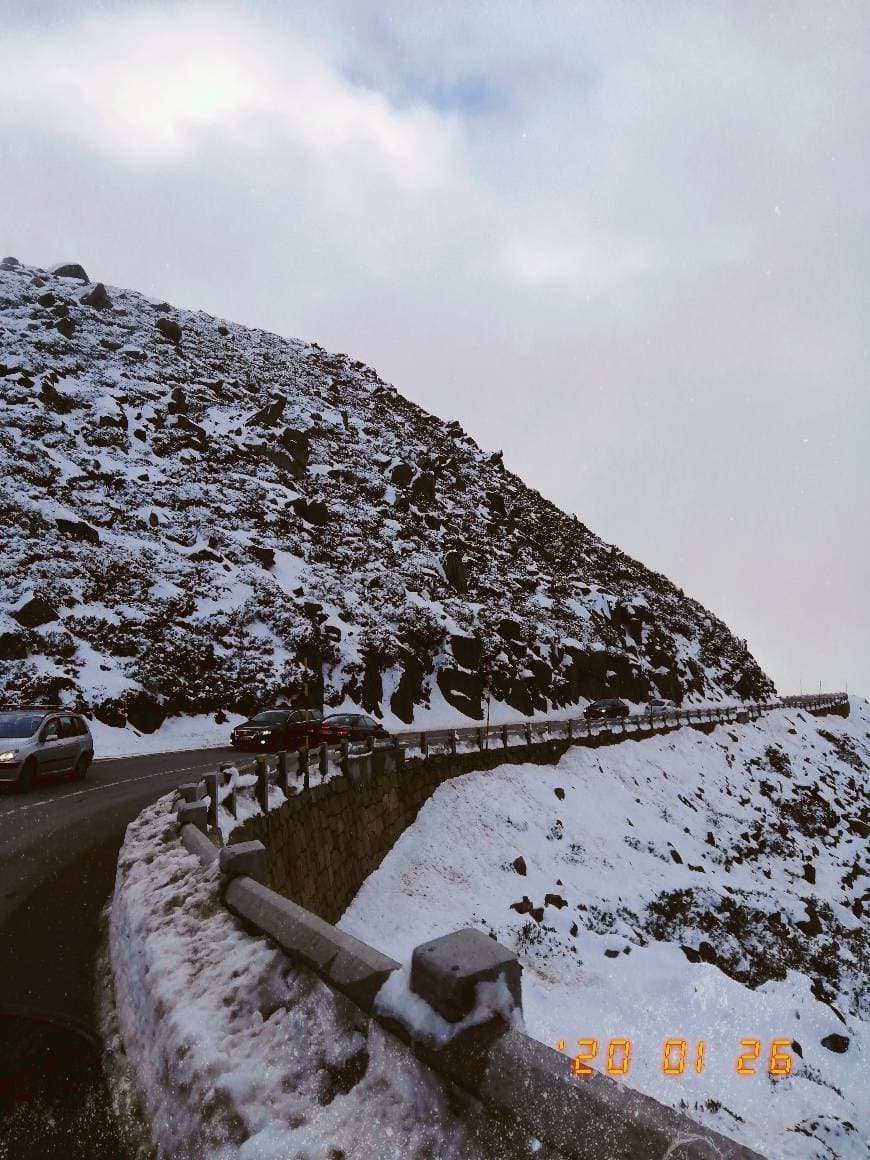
{"x": 606, "y": 707}
{"x": 276, "y": 729}
{"x": 350, "y": 727}
{"x": 43, "y": 742}
{"x": 660, "y": 707}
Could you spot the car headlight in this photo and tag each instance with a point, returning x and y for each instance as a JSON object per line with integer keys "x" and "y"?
{"x": 9, "y": 755}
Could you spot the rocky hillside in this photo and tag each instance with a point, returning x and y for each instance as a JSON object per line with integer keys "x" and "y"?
{"x": 192, "y": 512}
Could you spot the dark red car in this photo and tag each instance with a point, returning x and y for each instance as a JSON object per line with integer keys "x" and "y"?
{"x": 275, "y": 729}
{"x": 338, "y": 727}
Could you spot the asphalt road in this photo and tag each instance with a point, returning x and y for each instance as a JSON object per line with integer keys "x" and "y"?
{"x": 58, "y": 849}
{"x": 58, "y": 852}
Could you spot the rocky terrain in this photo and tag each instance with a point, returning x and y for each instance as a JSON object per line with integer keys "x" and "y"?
{"x": 198, "y": 517}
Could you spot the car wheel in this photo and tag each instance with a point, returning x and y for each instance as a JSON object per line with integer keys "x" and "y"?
{"x": 26, "y": 776}
{"x": 81, "y": 768}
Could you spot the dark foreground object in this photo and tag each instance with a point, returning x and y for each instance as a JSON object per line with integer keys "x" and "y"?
{"x": 53, "y": 1097}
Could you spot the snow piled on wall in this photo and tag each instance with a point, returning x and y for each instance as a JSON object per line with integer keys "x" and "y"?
{"x": 235, "y": 1053}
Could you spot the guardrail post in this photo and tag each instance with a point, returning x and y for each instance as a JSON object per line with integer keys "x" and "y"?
{"x": 303, "y": 766}
{"x": 570, "y": 731}
{"x": 282, "y": 775}
{"x": 323, "y": 760}
{"x": 480, "y": 739}
{"x": 528, "y": 733}
{"x": 231, "y": 800}
{"x": 398, "y": 753}
{"x": 504, "y": 736}
{"x": 453, "y": 741}
{"x": 211, "y": 789}
{"x": 424, "y": 744}
{"x": 344, "y": 749}
{"x": 262, "y": 789}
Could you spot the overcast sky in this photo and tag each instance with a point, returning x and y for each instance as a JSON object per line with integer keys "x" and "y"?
{"x": 627, "y": 243}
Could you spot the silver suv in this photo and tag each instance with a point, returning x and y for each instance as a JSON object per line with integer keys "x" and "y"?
{"x": 43, "y": 742}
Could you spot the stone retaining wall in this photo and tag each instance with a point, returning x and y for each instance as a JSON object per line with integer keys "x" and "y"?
{"x": 323, "y": 844}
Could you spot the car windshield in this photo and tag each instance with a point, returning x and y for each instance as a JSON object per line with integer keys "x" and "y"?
{"x": 271, "y": 717}
{"x": 19, "y": 724}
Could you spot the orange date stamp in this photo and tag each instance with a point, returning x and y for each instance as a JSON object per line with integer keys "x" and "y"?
{"x": 678, "y": 1056}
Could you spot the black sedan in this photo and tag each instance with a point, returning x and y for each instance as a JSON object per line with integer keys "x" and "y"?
{"x": 606, "y": 708}
{"x": 339, "y": 727}
{"x": 277, "y": 729}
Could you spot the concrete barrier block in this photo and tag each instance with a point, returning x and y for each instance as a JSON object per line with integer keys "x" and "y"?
{"x": 246, "y": 859}
{"x": 192, "y": 791}
{"x": 349, "y": 965}
{"x": 194, "y": 814}
{"x": 592, "y": 1115}
{"x": 445, "y": 972}
{"x": 196, "y": 842}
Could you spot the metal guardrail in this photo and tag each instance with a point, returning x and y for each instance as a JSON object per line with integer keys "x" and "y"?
{"x": 355, "y": 760}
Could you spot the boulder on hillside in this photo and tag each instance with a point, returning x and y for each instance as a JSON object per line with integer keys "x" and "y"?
{"x": 402, "y": 474}
{"x": 464, "y": 691}
{"x": 69, "y": 270}
{"x": 9, "y": 263}
{"x": 510, "y": 629}
{"x": 34, "y": 612}
{"x": 13, "y": 646}
{"x": 409, "y": 691}
{"x": 266, "y": 556}
{"x": 78, "y": 530}
{"x": 55, "y": 400}
{"x": 454, "y": 570}
{"x": 282, "y": 460}
{"x": 169, "y": 328}
{"x": 315, "y": 512}
{"x": 496, "y": 503}
{"x": 98, "y": 298}
{"x": 145, "y": 712}
{"x": 423, "y": 487}
{"x": 298, "y": 443}
{"x": 467, "y": 651}
{"x": 66, "y": 327}
{"x": 269, "y": 415}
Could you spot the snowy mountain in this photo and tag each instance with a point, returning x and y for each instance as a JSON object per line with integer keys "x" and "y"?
{"x": 195, "y": 514}
{"x": 706, "y": 889}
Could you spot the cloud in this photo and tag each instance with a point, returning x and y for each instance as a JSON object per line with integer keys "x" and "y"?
{"x": 149, "y": 87}
{"x": 544, "y": 256}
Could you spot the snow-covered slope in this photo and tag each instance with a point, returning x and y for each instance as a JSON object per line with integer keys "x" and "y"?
{"x": 191, "y": 510}
{"x": 698, "y": 887}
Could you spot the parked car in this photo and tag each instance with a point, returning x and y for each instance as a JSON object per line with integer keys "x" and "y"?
{"x": 277, "y": 729}
{"x": 660, "y": 707}
{"x": 606, "y": 707}
{"x": 43, "y": 742}
{"x": 350, "y": 727}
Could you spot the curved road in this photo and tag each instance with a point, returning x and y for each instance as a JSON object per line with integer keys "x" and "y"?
{"x": 58, "y": 852}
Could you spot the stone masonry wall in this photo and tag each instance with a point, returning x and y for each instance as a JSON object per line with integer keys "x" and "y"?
{"x": 324, "y": 843}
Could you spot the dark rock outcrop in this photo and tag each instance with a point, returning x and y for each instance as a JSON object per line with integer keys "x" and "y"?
{"x": 70, "y": 270}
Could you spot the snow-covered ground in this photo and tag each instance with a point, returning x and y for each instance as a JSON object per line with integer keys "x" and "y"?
{"x": 234, "y": 1053}
{"x": 735, "y": 846}
{"x": 175, "y": 735}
